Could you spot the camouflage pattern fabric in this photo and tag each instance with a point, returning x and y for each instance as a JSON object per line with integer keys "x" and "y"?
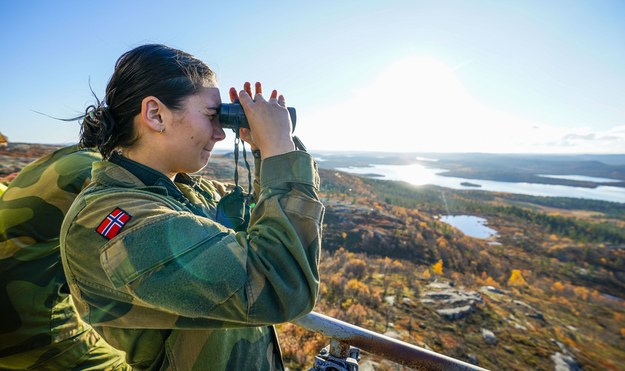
{"x": 176, "y": 290}
{"x": 39, "y": 326}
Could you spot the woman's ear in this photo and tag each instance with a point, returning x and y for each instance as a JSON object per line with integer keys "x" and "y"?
{"x": 152, "y": 110}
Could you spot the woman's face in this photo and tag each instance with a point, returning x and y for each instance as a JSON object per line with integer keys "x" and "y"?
{"x": 194, "y": 130}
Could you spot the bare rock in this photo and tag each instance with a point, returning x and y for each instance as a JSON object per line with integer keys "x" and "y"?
{"x": 489, "y": 336}
{"x": 456, "y": 313}
{"x": 450, "y": 302}
{"x": 564, "y": 360}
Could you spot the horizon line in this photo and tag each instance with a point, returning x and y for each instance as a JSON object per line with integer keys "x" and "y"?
{"x": 310, "y": 150}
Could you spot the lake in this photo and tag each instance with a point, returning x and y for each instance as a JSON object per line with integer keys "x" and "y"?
{"x": 418, "y": 174}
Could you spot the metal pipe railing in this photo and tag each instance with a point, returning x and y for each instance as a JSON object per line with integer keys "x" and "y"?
{"x": 394, "y": 350}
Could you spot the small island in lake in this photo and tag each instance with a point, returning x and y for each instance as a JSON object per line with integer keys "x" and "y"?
{"x": 468, "y": 184}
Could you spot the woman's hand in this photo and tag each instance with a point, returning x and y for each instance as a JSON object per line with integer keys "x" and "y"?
{"x": 244, "y": 133}
{"x": 270, "y": 123}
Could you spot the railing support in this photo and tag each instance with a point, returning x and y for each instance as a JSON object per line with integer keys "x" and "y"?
{"x": 344, "y": 334}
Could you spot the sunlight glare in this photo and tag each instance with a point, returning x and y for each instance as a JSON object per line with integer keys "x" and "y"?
{"x": 418, "y": 104}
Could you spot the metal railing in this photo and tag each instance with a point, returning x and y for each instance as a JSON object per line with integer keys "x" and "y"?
{"x": 343, "y": 335}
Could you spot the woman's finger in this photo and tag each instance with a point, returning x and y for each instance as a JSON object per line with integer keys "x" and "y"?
{"x": 245, "y": 135}
{"x": 233, "y": 94}
{"x": 244, "y": 98}
{"x": 247, "y": 87}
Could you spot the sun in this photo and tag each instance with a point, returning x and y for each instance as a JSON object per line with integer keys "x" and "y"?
{"x": 420, "y": 80}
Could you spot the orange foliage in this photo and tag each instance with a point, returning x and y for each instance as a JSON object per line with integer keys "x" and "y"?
{"x": 336, "y": 283}
{"x": 557, "y": 286}
{"x": 487, "y": 280}
{"x": 426, "y": 274}
{"x": 623, "y": 332}
{"x": 581, "y": 292}
{"x": 456, "y": 276}
{"x": 562, "y": 301}
{"x": 490, "y": 281}
{"x": 357, "y": 289}
{"x": 438, "y": 267}
{"x": 561, "y": 335}
{"x": 442, "y": 242}
{"x": 516, "y": 278}
{"x": 299, "y": 345}
{"x": 400, "y": 212}
{"x": 355, "y": 268}
{"x": 449, "y": 340}
{"x": 397, "y": 266}
{"x": 570, "y": 342}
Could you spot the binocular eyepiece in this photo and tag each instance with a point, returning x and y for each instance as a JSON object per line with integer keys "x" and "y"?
{"x": 232, "y": 116}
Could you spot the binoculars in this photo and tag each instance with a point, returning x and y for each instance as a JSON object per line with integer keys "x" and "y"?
{"x": 232, "y": 116}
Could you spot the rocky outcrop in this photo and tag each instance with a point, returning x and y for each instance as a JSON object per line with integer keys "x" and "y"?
{"x": 564, "y": 360}
{"x": 14, "y": 156}
{"x": 489, "y": 336}
{"x": 4, "y": 141}
{"x": 450, "y": 302}
{"x": 375, "y": 231}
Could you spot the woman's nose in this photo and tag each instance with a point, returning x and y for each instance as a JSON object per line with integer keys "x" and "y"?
{"x": 218, "y": 131}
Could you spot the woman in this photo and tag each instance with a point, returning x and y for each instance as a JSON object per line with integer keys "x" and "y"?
{"x": 148, "y": 264}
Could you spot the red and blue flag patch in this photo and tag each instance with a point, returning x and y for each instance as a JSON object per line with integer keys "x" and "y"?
{"x": 113, "y": 223}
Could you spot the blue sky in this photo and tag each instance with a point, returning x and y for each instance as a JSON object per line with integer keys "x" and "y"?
{"x": 442, "y": 76}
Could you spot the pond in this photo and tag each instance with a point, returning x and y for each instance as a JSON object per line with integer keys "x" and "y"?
{"x": 470, "y": 225}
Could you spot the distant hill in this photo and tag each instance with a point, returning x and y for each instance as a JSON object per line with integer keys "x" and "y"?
{"x": 497, "y": 167}
{"x": 357, "y": 157}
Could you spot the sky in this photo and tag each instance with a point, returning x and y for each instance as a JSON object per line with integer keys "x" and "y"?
{"x": 401, "y": 76}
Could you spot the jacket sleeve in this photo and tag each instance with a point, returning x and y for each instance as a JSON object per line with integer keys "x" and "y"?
{"x": 187, "y": 271}
{"x": 256, "y": 183}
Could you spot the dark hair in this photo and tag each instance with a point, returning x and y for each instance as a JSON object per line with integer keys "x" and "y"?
{"x": 149, "y": 70}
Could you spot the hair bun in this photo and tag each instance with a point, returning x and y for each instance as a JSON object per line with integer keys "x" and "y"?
{"x": 97, "y": 126}
{"x": 98, "y": 114}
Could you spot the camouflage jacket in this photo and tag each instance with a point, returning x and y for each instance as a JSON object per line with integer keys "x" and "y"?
{"x": 154, "y": 273}
{"x": 39, "y": 325}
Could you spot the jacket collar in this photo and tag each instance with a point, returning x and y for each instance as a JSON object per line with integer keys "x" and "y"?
{"x": 119, "y": 171}
{"x": 137, "y": 175}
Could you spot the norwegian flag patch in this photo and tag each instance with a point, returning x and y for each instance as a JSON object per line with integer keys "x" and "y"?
{"x": 113, "y": 223}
